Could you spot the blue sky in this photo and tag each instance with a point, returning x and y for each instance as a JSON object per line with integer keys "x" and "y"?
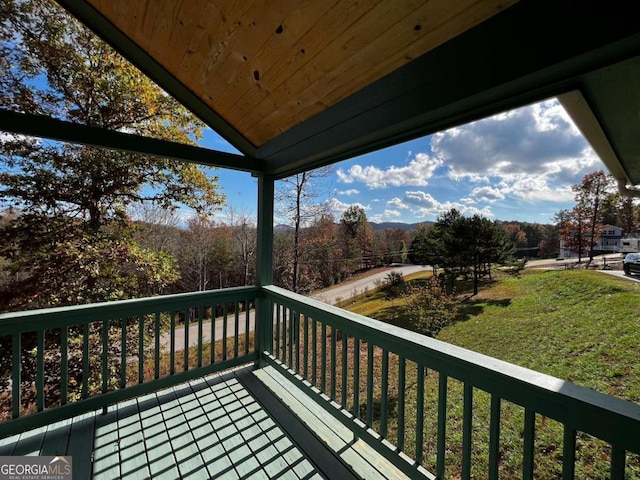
{"x": 518, "y": 165}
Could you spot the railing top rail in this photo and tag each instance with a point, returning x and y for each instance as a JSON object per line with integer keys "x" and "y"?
{"x": 13, "y": 322}
{"x": 609, "y": 418}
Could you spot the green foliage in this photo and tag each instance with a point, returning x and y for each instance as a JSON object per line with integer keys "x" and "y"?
{"x": 393, "y": 285}
{"x": 430, "y": 308}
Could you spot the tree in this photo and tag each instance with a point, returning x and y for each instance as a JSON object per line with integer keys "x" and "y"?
{"x": 296, "y": 200}
{"x": 357, "y": 238}
{"x": 590, "y": 195}
{"x": 430, "y": 308}
{"x": 73, "y": 229}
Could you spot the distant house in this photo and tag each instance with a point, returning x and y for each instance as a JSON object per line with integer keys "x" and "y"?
{"x": 610, "y": 241}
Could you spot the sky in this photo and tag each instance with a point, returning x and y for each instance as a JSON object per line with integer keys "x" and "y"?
{"x": 518, "y": 165}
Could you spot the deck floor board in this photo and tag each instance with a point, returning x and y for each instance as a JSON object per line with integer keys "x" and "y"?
{"x": 229, "y": 425}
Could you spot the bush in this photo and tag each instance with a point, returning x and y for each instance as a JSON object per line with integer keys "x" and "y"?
{"x": 430, "y": 308}
{"x": 393, "y": 285}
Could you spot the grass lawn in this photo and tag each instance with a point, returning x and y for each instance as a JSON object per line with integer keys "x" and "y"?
{"x": 577, "y": 325}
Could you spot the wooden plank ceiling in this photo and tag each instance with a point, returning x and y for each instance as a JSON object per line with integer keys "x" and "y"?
{"x": 266, "y": 66}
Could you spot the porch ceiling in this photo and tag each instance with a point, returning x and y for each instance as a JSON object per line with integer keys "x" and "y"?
{"x": 297, "y": 85}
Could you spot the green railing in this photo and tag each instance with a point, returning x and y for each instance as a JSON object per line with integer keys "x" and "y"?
{"x": 429, "y": 405}
{"x": 59, "y": 362}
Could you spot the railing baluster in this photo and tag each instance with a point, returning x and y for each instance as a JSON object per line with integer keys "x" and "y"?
{"x": 618, "y": 460}
{"x": 185, "y": 356}
{"x": 64, "y": 364}
{"x": 568, "y": 453}
{"x": 529, "y": 442}
{"x": 85, "y": 361}
{"x": 402, "y": 367}
{"x": 370, "y": 348}
{"x": 384, "y": 392}
{"x": 40, "y": 371}
{"x": 494, "y": 438}
{"x": 200, "y": 334}
{"x": 141, "y": 319}
{"x": 247, "y": 327}
{"x": 314, "y": 356}
{"x": 467, "y": 412}
{"x": 157, "y": 346}
{"x": 172, "y": 347}
{"x": 290, "y": 339}
{"x": 123, "y": 352}
{"x": 105, "y": 355}
{"x": 345, "y": 373}
{"x": 284, "y": 335}
{"x": 356, "y": 377}
{"x": 334, "y": 353}
{"x": 420, "y": 413}
{"x": 16, "y": 380}
{"x": 305, "y": 354}
{"x": 277, "y": 335}
{"x": 323, "y": 372}
{"x": 213, "y": 333}
{"x": 236, "y": 326}
{"x": 442, "y": 425}
{"x": 224, "y": 331}
{"x": 296, "y": 339}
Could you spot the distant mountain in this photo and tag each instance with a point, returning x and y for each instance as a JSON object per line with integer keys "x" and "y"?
{"x": 397, "y": 225}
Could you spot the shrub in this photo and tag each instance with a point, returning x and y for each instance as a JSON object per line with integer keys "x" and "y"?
{"x": 430, "y": 308}
{"x": 394, "y": 284}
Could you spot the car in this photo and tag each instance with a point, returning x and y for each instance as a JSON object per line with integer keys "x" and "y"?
{"x": 631, "y": 263}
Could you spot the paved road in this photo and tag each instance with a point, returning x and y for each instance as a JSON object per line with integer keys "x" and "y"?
{"x": 331, "y": 295}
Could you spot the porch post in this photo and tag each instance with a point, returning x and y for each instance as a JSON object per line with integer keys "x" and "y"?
{"x": 264, "y": 265}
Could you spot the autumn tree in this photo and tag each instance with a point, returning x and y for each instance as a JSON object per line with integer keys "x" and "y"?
{"x": 590, "y": 195}
{"x": 73, "y": 237}
{"x": 296, "y": 197}
{"x": 357, "y": 237}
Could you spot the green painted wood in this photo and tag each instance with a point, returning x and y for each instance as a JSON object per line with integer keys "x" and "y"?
{"x": 618, "y": 460}
{"x": 384, "y": 392}
{"x": 442, "y": 426}
{"x": 370, "y": 348}
{"x": 40, "y": 371}
{"x": 333, "y": 362}
{"x": 247, "y": 326}
{"x": 141, "y": 322}
{"x": 106, "y": 455}
{"x": 402, "y": 373}
{"x": 323, "y": 358}
{"x": 85, "y": 361}
{"x": 619, "y": 420}
{"x": 494, "y": 438}
{"x": 277, "y": 335}
{"x": 105, "y": 356}
{"x": 123, "y": 353}
{"x": 64, "y": 365}
{"x": 290, "y": 338}
{"x": 200, "y": 320}
{"x": 133, "y": 458}
{"x": 236, "y": 337}
{"x": 56, "y": 438}
{"x": 185, "y": 349}
{"x": 172, "y": 343}
{"x": 569, "y": 453}
{"x": 305, "y": 356}
{"x": 156, "y": 344}
{"x": 314, "y": 350}
{"x": 529, "y": 444}
{"x": 30, "y": 442}
{"x": 467, "y": 416}
{"x": 356, "y": 378}
{"x": 80, "y": 445}
{"x": 16, "y": 377}
{"x": 420, "y": 378}
{"x": 157, "y": 444}
{"x": 345, "y": 372}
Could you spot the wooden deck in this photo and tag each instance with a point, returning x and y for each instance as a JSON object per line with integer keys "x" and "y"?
{"x": 239, "y": 424}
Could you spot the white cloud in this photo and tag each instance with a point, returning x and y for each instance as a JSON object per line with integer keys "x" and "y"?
{"x": 537, "y": 140}
{"x": 416, "y": 173}
{"x": 487, "y": 194}
{"x": 391, "y": 213}
{"x": 337, "y": 207}
{"x": 351, "y": 191}
{"x": 427, "y": 206}
{"x": 397, "y": 203}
